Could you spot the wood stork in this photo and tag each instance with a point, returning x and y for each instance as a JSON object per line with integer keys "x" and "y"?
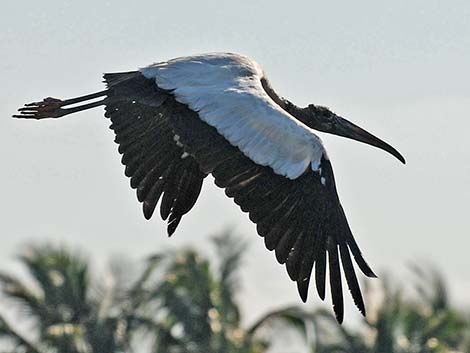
{"x": 180, "y": 120}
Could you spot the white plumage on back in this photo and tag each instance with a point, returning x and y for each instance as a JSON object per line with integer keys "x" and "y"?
{"x": 226, "y": 91}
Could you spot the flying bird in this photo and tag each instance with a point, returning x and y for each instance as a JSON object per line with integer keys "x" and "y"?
{"x": 178, "y": 121}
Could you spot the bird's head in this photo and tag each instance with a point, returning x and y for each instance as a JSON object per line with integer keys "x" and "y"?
{"x": 322, "y": 119}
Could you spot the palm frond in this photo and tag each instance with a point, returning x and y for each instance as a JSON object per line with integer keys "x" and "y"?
{"x": 13, "y": 288}
{"x": 230, "y": 253}
{"x": 186, "y": 296}
{"x": 10, "y": 333}
{"x": 61, "y": 275}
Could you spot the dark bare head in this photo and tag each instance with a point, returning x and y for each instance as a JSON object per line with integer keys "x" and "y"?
{"x": 323, "y": 119}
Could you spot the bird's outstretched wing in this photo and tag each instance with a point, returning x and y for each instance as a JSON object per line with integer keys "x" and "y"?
{"x": 301, "y": 219}
{"x": 274, "y": 167}
{"x": 155, "y": 162}
{"x": 214, "y": 112}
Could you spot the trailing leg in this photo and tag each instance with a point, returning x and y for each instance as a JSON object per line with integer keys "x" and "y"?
{"x": 54, "y": 107}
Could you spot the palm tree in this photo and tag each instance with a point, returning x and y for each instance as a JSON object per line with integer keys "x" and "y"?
{"x": 177, "y": 303}
{"x": 195, "y": 308}
{"x": 426, "y": 323}
{"x": 68, "y": 313}
{"x": 180, "y": 302}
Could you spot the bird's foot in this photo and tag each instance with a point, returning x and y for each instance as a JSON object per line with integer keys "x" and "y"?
{"x": 48, "y": 108}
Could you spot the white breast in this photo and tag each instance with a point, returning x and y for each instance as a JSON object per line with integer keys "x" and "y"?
{"x": 226, "y": 91}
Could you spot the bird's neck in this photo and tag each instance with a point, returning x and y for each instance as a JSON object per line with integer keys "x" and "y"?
{"x": 297, "y": 112}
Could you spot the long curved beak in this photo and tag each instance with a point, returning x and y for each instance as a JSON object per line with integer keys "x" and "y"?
{"x": 347, "y": 129}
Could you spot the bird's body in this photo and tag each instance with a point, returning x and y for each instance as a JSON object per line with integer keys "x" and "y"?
{"x": 180, "y": 120}
{"x": 226, "y": 91}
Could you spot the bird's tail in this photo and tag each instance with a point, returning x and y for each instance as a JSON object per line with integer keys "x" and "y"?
{"x": 115, "y": 78}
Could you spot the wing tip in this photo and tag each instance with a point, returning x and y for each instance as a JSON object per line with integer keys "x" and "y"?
{"x": 321, "y": 293}
{"x": 339, "y": 314}
{"x": 365, "y": 268}
{"x": 148, "y": 210}
{"x": 359, "y": 302}
{"x": 173, "y": 223}
{"x": 302, "y": 288}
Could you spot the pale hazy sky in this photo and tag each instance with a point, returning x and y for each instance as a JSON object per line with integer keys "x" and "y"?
{"x": 400, "y": 69}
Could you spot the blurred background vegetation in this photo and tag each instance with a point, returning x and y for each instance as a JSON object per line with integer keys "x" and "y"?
{"x": 180, "y": 302}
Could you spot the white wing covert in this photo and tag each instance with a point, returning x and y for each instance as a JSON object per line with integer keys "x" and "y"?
{"x": 226, "y": 92}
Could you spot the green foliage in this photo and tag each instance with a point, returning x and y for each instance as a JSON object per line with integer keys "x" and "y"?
{"x": 195, "y": 303}
{"x": 67, "y": 317}
{"x": 180, "y": 302}
{"x": 399, "y": 323}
